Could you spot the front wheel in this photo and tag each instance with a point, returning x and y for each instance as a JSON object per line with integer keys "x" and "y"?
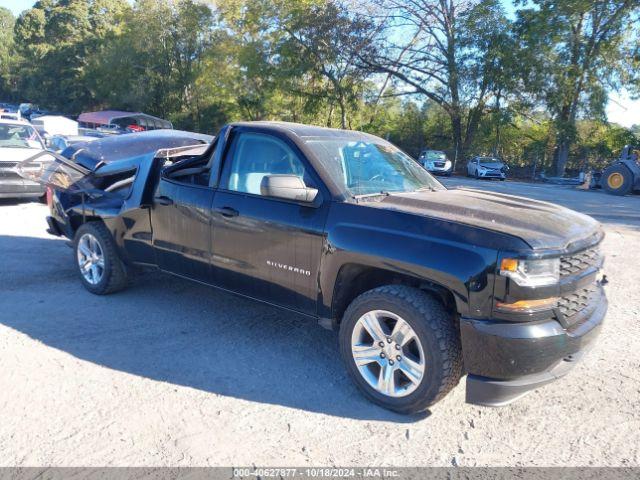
{"x": 401, "y": 348}
{"x": 101, "y": 269}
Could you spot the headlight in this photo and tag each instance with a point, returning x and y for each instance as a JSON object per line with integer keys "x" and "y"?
{"x": 531, "y": 273}
{"x": 447, "y": 164}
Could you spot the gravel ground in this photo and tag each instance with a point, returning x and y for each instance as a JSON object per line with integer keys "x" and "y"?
{"x": 173, "y": 373}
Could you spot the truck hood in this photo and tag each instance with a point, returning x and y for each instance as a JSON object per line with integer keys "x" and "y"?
{"x": 542, "y": 225}
{"x": 16, "y": 154}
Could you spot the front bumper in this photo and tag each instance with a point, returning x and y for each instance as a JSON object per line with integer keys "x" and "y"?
{"x": 492, "y": 174}
{"x": 440, "y": 170}
{"x": 506, "y": 360}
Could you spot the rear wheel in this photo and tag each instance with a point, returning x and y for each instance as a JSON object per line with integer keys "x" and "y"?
{"x": 400, "y": 348}
{"x": 617, "y": 179}
{"x": 101, "y": 269}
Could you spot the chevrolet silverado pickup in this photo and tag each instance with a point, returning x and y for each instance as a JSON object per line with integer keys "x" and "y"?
{"x": 423, "y": 284}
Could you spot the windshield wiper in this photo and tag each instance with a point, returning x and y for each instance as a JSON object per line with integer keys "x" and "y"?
{"x": 365, "y": 196}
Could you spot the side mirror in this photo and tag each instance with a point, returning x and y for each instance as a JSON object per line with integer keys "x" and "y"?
{"x": 287, "y": 187}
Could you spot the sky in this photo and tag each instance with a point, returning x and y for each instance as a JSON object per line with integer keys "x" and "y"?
{"x": 621, "y": 108}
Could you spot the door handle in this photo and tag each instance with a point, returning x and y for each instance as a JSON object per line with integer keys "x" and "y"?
{"x": 162, "y": 200}
{"x": 227, "y": 212}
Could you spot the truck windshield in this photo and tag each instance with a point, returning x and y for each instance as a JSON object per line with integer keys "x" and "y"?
{"x": 368, "y": 166}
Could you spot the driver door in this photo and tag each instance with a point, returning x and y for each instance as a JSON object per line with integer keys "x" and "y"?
{"x": 265, "y": 247}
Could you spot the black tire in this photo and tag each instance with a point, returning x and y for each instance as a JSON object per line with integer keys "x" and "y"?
{"x": 615, "y": 172}
{"x": 502, "y": 179}
{"x": 434, "y": 328}
{"x": 477, "y": 175}
{"x": 115, "y": 276}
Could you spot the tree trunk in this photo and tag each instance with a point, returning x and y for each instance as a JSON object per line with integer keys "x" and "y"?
{"x": 496, "y": 145}
{"x": 565, "y": 125}
{"x": 472, "y": 126}
{"x": 456, "y": 127}
{"x": 562, "y": 155}
{"x": 330, "y": 116}
{"x": 343, "y": 113}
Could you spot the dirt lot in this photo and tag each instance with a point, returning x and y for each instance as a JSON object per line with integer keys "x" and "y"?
{"x": 173, "y": 373}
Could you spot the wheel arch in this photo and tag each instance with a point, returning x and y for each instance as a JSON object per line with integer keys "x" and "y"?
{"x": 113, "y": 223}
{"x": 76, "y": 221}
{"x": 354, "y": 279}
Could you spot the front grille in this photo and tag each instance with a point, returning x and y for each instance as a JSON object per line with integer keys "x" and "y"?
{"x": 438, "y": 164}
{"x": 578, "y": 262}
{"x": 6, "y": 170}
{"x": 573, "y": 304}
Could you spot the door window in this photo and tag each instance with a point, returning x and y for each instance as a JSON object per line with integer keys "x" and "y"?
{"x": 255, "y": 155}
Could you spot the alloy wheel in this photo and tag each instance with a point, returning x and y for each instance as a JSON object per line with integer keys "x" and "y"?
{"x": 90, "y": 258}
{"x": 388, "y": 353}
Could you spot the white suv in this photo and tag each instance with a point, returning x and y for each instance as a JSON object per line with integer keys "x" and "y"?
{"x": 18, "y": 142}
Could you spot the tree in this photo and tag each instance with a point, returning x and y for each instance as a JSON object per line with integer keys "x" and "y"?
{"x": 573, "y": 53}
{"x": 445, "y": 50}
{"x": 599, "y": 143}
{"x": 296, "y": 59}
{"x": 324, "y": 40}
{"x": 57, "y": 40}
{"x": 7, "y": 54}
{"x": 156, "y": 62}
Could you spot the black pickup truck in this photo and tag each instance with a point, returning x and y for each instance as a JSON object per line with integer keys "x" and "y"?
{"x": 424, "y": 284}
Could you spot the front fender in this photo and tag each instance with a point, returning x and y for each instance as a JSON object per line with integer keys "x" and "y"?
{"x": 426, "y": 249}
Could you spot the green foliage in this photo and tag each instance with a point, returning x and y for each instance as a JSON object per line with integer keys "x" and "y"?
{"x": 573, "y": 51}
{"x": 57, "y": 41}
{"x": 8, "y": 57}
{"x": 457, "y": 76}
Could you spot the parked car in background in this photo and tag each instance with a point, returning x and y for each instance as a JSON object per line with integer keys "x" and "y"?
{"x": 116, "y": 121}
{"x": 18, "y": 142}
{"x": 435, "y": 161}
{"x": 10, "y": 115}
{"x": 487, "y": 167}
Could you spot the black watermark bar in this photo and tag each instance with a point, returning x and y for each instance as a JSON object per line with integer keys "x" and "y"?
{"x": 237, "y": 473}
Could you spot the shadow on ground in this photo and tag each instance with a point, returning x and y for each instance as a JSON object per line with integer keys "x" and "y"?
{"x": 175, "y": 331}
